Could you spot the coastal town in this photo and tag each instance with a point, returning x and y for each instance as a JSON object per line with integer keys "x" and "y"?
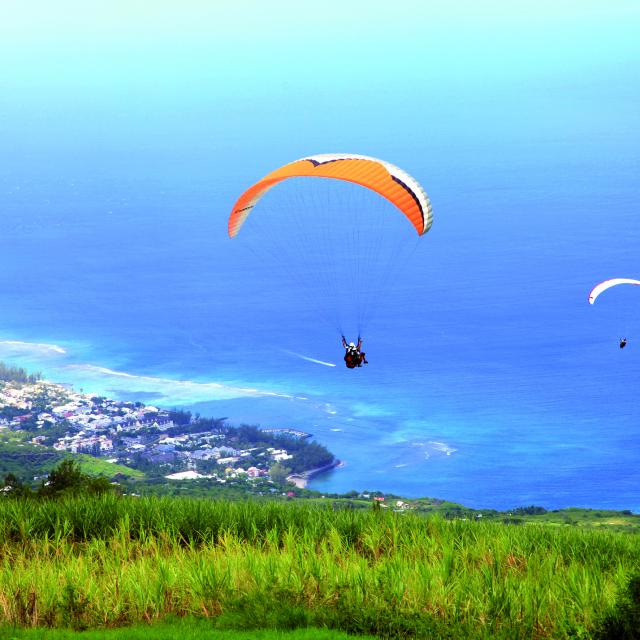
{"x": 171, "y": 444}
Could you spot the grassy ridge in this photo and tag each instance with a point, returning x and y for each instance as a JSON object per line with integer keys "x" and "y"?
{"x": 25, "y": 459}
{"x": 97, "y": 466}
{"x": 184, "y": 629}
{"x": 112, "y": 561}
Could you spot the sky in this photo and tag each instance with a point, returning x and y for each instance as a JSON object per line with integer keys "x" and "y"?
{"x": 252, "y": 79}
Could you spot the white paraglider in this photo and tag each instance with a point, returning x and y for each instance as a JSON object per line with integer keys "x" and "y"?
{"x": 607, "y": 284}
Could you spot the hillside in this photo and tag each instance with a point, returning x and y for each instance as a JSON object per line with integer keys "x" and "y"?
{"x": 125, "y": 561}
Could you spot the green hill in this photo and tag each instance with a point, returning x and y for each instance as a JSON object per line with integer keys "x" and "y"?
{"x": 118, "y": 561}
{"x": 27, "y": 461}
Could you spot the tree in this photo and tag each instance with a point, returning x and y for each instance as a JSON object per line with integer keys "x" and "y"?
{"x": 68, "y": 478}
{"x": 14, "y": 487}
{"x": 623, "y": 621}
{"x": 278, "y": 474}
{"x": 17, "y": 374}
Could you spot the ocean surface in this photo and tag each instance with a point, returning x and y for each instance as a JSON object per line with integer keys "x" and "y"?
{"x": 492, "y": 382}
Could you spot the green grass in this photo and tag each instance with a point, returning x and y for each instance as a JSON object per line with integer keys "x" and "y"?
{"x": 590, "y": 518}
{"x": 187, "y": 629}
{"x": 89, "y": 563}
{"x": 23, "y": 459}
{"x": 96, "y": 467}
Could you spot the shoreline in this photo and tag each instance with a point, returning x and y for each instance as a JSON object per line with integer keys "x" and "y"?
{"x": 301, "y": 480}
{"x": 303, "y": 435}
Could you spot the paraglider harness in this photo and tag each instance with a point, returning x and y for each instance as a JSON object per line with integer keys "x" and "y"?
{"x": 353, "y": 357}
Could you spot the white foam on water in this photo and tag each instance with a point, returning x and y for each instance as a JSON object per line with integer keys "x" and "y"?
{"x": 56, "y": 364}
{"x": 442, "y": 446}
{"x": 177, "y": 391}
{"x": 10, "y": 348}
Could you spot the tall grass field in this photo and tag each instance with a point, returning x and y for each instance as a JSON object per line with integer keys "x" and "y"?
{"x": 87, "y": 563}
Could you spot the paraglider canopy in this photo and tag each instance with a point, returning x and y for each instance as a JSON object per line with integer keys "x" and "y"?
{"x": 607, "y": 284}
{"x": 389, "y": 181}
{"x": 339, "y": 243}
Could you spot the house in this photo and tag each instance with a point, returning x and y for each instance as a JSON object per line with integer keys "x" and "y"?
{"x": 165, "y": 448}
{"x": 203, "y": 454}
{"x": 160, "y": 458}
{"x": 185, "y": 475}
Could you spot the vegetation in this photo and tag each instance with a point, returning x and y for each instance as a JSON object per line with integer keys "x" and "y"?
{"x": 26, "y": 461}
{"x": 278, "y": 474}
{"x": 17, "y": 374}
{"x": 66, "y": 479}
{"x": 185, "y": 629}
{"x": 306, "y": 455}
{"x": 87, "y": 562}
{"x": 623, "y": 621}
{"x": 584, "y": 518}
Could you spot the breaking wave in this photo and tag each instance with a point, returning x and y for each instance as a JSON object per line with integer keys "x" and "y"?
{"x": 9, "y": 348}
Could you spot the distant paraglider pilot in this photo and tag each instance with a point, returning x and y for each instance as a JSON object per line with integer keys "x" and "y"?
{"x": 354, "y": 356}
{"x": 607, "y": 284}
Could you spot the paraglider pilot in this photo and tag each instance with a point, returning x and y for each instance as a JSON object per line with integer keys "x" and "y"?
{"x": 354, "y": 356}
{"x": 623, "y": 343}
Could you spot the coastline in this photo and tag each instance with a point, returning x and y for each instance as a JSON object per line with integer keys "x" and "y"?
{"x": 303, "y": 435}
{"x": 102, "y": 426}
{"x": 301, "y": 480}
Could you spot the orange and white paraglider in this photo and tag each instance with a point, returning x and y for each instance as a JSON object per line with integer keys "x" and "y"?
{"x": 333, "y": 237}
{"x": 389, "y": 181}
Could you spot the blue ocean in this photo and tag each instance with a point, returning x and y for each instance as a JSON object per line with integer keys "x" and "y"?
{"x": 126, "y": 140}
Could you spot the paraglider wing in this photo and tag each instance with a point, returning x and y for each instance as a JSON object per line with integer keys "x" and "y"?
{"x": 607, "y": 284}
{"x": 382, "y": 177}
